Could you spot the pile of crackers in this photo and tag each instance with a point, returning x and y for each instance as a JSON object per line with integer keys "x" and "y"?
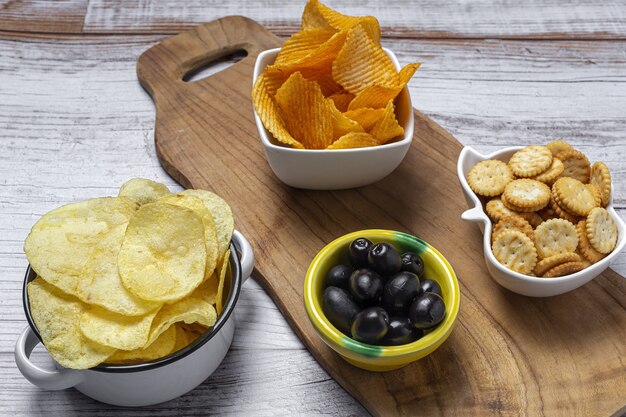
{"x": 548, "y": 208}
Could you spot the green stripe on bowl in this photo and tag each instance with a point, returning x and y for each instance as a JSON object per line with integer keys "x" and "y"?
{"x": 361, "y": 348}
{"x": 409, "y": 243}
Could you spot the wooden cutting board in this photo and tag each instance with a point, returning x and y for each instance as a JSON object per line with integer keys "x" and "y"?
{"x": 508, "y": 355}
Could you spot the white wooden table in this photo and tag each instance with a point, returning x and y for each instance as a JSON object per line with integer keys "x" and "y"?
{"x": 75, "y": 124}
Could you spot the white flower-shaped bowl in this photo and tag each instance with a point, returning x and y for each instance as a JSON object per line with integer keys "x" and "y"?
{"x": 514, "y": 281}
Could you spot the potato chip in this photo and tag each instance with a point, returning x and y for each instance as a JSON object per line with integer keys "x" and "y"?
{"x": 361, "y": 63}
{"x": 342, "y": 100}
{"x": 116, "y": 330}
{"x": 61, "y": 242}
{"x": 342, "y": 124}
{"x": 183, "y": 337}
{"x": 365, "y": 116}
{"x": 222, "y": 217}
{"x": 302, "y": 44}
{"x": 143, "y": 191}
{"x": 269, "y": 113}
{"x": 354, "y": 140}
{"x": 163, "y": 255}
{"x": 317, "y": 15}
{"x": 189, "y": 310}
{"x": 210, "y": 232}
{"x": 208, "y": 289}
{"x": 162, "y": 346}
{"x": 100, "y": 283}
{"x": 56, "y": 316}
{"x": 219, "y": 302}
{"x": 387, "y": 128}
{"x": 377, "y": 96}
{"x": 306, "y": 112}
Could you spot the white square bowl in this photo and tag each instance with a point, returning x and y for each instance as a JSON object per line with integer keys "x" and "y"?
{"x": 341, "y": 168}
{"x": 514, "y": 281}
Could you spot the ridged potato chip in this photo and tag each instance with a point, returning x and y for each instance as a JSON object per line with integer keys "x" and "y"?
{"x": 143, "y": 190}
{"x": 377, "y": 96}
{"x": 362, "y": 63}
{"x": 100, "y": 283}
{"x": 302, "y": 44}
{"x": 341, "y": 123}
{"x": 116, "y": 330}
{"x": 210, "y": 233}
{"x": 342, "y": 100}
{"x": 268, "y": 111}
{"x": 161, "y": 347}
{"x": 189, "y": 310}
{"x": 222, "y": 217}
{"x": 219, "y": 302}
{"x": 56, "y": 316}
{"x": 62, "y": 241}
{"x": 163, "y": 255}
{"x": 317, "y": 15}
{"x": 387, "y": 127}
{"x": 354, "y": 140}
{"x": 306, "y": 112}
{"x": 365, "y": 116}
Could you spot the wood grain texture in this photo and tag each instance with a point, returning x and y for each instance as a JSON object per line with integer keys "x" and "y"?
{"x": 508, "y": 355}
{"x": 399, "y": 18}
{"x": 58, "y": 16}
{"x": 77, "y": 125}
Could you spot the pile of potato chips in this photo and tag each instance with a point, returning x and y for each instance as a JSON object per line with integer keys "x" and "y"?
{"x": 128, "y": 279}
{"x": 331, "y": 86}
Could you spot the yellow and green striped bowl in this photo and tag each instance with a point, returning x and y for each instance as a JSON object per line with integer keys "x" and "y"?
{"x": 370, "y": 357}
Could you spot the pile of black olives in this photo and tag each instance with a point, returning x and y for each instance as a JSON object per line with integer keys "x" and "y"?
{"x": 382, "y": 298}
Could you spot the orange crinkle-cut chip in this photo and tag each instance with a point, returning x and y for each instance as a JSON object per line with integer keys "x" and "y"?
{"x": 306, "y": 112}
{"x": 331, "y": 85}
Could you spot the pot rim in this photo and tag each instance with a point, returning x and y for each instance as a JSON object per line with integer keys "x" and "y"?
{"x": 236, "y": 282}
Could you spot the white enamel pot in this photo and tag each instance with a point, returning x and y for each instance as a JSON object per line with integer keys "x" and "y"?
{"x": 151, "y": 382}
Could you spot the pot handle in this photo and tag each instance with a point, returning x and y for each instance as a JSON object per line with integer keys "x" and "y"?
{"x": 246, "y": 254}
{"x": 43, "y": 378}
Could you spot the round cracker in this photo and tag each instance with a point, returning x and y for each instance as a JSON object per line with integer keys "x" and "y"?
{"x": 564, "y": 269}
{"x": 551, "y": 174}
{"x": 520, "y": 209}
{"x": 562, "y": 213}
{"x": 601, "y": 179}
{"x": 515, "y": 250}
{"x": 576, "y": 165}
{"x": 496, "y": 209}
{"x": 574, "y": 196}
{"x": 527, "y": 193}
{"x": 550, "y": 262}
{"x": 585, "y": 248}
{"x": 555, "y": 236}
{"x": 488, "y": 178}
{"x": 530, "y": 161}
{"x": 601, "y": 230}
{"x": 558, "y": 146}
{"x": 532, "y": 217}
{"x": 514, "y": 222}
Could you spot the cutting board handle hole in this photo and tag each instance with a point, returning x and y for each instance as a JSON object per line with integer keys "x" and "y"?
{"x": 206, "y": 69}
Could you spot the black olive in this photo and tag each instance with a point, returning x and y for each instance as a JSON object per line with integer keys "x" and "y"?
{"x": 384, "y": 259}
{"x": 400, "y": 291}
{"x": 370, "y": 325}
{"x": 401, "y": 331}
{"x": 427, "y": 310}
{"x": 339, "y": 276}
{"x": 357, "y": 252}
{"x": 412, "y": 263}
{"x": 428, "y": 285}
{"x": 366, "y": 286}
{"x": 339, "y": 308}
